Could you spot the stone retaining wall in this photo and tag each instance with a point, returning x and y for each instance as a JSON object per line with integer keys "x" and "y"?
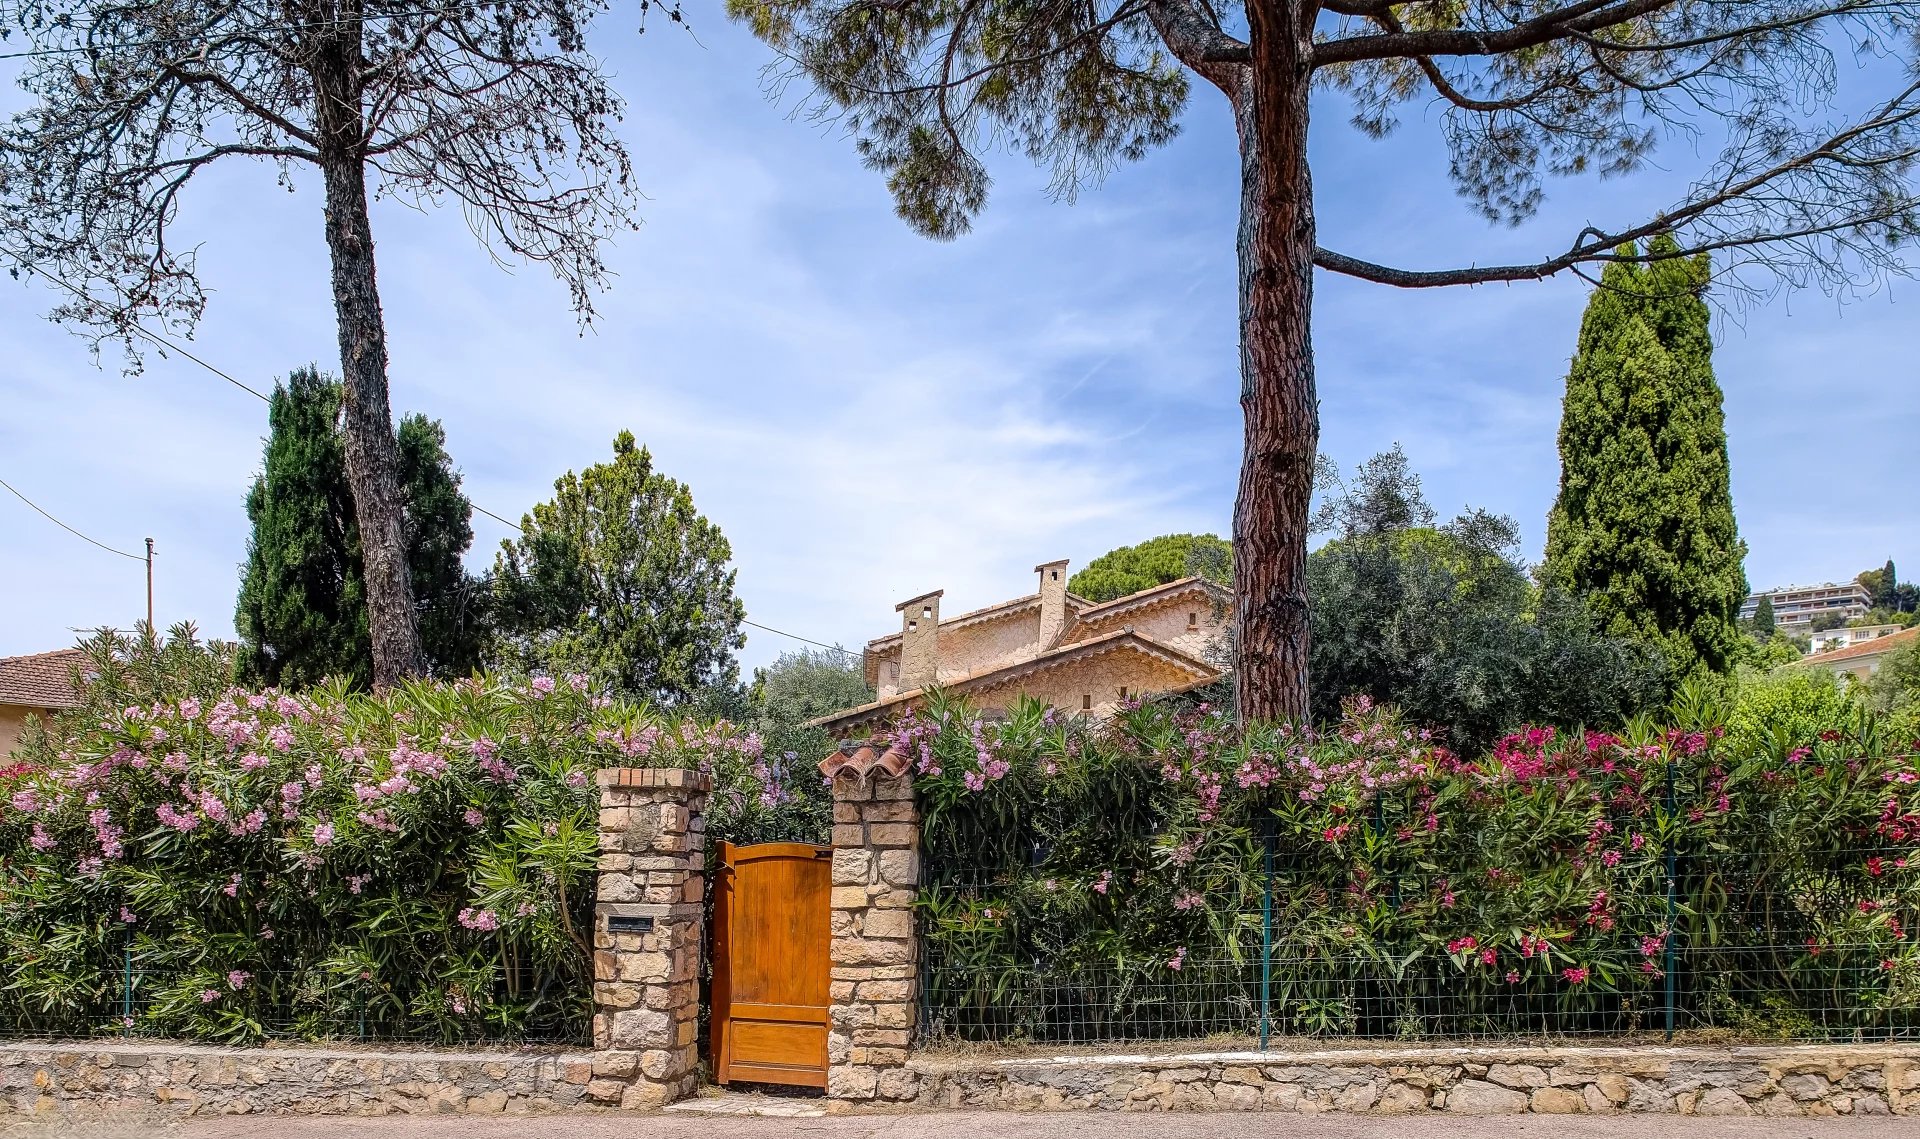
{"x": 1811, "y": 1080}
{"x": 96, "y": 1079}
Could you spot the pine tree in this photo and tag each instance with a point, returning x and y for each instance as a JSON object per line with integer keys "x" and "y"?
{"x": 1643, "y": 528}
{"x": 302, "y": 607}
{"x": 620, "y": 578}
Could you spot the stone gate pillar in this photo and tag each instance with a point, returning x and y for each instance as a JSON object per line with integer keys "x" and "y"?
{"x": 875, "y": 951}
{"x": 648, "y": 924}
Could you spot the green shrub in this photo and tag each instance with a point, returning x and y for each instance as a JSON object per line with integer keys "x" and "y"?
{"x": 1092, "y": 881}
{"x": 414, "y": 863}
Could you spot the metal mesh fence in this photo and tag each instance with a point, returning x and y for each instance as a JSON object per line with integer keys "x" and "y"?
{"x": 137, "y": 999}
{"x": 1762, "y": 947}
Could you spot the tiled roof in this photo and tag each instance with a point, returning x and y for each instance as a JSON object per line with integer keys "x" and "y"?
{"x": 1005, "y": 672}
{"x": 41, "y": 680}
{"x": 1173, "y": 588}
{"x": 1865, "y": 648}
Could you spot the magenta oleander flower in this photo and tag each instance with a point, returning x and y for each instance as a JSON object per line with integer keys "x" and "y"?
{"x": 1576, "y": 975}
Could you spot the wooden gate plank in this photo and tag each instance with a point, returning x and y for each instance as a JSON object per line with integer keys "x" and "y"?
{"x": 771, "y": 964}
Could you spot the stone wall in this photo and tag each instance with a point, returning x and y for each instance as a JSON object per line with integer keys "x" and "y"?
{"x": 875, "y": 977}
{"x": 647, "y": 937}
{"x": 1779, "y": 1081}
{"x": 85, "y": 1080}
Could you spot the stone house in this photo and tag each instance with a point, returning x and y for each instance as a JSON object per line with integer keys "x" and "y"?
{"x": 35, "y": 686}
{"x": 1077, "y": 655}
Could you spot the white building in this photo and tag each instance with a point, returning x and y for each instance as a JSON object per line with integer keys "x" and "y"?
{"x": 1844, "y": 638}
{"x": 1795, "y": 606}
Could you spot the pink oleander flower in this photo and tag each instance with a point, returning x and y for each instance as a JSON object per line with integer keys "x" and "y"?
{"x": 189, "y": 709}
{"x": 232, "y": 888}
{"x": 177, "y": 819}
{"x": 358, "y": 882}
{"x": 577, "y": 681}
{"x": 1178, "y": 959}
{"x": 576, "y": 778}
{"x": 208, "y": 996}
{"x": 238, "y": 979}
{"x": 541, "y": 686}
{"x": 128, "y": 916}
{"x": 1513, "y": 976}
{"x": 41, "y": 840}
{"x": 26, "y": 800}
{"x": 323, "y": 834}
{"x": 1186, "y": 900}
{"x": 1105, "y": 880}
{"x": 483, "y": 920}
{"x": 474, "y": 817}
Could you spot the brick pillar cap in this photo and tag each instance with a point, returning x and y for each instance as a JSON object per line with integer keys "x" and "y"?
{"x": 652, "y": 778}
{"x": 858, "y": 759}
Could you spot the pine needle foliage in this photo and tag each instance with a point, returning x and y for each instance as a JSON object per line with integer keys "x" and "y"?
{"x": 621, "y": 578}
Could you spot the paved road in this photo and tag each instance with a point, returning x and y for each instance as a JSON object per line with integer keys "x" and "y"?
{"x": 980, "y": 1125}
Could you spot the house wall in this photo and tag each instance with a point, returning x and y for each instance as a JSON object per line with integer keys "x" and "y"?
{"x": 1100, "y": 678}
{"x": 13, "y": 724}
{"x": 1166, "y": 621}
{"x": 989, "y": 643}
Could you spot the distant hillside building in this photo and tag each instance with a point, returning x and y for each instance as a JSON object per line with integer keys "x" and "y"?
{"x": 1077, "y": 655}
{"x": 35, "y": 687}
{"x": 1795, "y": 606}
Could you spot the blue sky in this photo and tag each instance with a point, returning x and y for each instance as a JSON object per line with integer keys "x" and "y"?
{"x": 867, "y": 414}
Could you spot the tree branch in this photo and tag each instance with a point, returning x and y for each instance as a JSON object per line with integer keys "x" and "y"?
{"x": 1585, "y": 16}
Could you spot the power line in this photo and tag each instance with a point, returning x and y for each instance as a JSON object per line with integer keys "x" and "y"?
{"x": 155, "y": 337}
{"x": 67, "y": 528}
{"x": 798, "y": 637}
{"x": 515, "y": 526}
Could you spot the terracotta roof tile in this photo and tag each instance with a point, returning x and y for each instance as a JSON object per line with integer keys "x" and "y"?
{"x": 41, "y": 680}
{"x": 859, "y": 759}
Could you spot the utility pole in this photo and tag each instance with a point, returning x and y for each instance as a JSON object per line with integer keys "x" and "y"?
{"x": 151, "y": 635}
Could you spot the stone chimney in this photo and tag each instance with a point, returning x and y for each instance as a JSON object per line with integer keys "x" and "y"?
{"x": 1053, "y": 601}
{"x": 920, "y": 641}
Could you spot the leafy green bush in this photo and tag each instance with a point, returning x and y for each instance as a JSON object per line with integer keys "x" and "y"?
{"x": 232, "y": 864}
{"x": 1110, "y": 881}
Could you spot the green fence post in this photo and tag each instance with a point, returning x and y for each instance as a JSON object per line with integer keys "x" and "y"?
{"x": 1266, "y": 936}
{"x": 1670, "y": 958}
{"x": 126, "y": 986}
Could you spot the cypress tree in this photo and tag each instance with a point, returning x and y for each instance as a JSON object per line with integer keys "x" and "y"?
{"x": 1643, "y": 528}
{"x": 302, "y": 607}
{"x": 1763, "y": 623}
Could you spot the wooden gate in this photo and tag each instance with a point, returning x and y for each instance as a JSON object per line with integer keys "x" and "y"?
{"x": 770, "y": 964}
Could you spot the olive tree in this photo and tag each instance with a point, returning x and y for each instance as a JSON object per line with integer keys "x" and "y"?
{"x": 1527, "y": 89}
{"x": 493, "y": 104}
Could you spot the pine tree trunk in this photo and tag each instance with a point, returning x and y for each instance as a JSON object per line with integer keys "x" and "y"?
{"x": 373, "y": 453}
{"x": 1277, "y": 400}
